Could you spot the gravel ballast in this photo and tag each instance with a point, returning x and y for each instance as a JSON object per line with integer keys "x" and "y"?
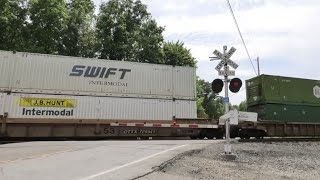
{"x": 276, "y": 160}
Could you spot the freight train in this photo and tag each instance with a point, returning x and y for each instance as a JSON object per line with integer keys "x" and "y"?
{"x": 52, "y": 96}
{"x": 58, "y": 96}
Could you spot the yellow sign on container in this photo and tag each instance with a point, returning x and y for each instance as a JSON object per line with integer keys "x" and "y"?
{"x": 47, "y": 102}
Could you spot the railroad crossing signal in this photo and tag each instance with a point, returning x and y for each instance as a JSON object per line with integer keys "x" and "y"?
{"x": 225, "y": 62}
{"x": 217, "y": 84}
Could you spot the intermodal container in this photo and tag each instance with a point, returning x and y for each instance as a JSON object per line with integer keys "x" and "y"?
{"x": 2, "y": 103}
{"x": 6, "y": 70}
{"x": 49, "y": 74}
{"x": 41, "y": 106}
{"x": 287, "y": 112}
{"x": 282, "y": 90}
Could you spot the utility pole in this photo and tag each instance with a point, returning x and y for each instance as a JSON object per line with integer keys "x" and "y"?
{"x": 258, "y": 66}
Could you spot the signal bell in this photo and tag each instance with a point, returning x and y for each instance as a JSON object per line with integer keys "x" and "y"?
{"x": 235, "y": 85}
{"x": 217, "y": 85}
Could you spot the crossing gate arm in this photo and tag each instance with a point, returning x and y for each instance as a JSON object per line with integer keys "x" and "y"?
{"x": 236, "y": 116}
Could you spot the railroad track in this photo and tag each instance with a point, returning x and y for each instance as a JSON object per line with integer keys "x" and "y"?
{"x": 298, "y": 139}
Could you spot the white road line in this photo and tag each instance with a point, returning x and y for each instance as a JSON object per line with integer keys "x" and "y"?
{"x": 133, "y": 162}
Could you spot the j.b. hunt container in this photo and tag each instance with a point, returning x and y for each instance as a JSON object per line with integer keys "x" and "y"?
{"x": 48, "y": 74}
{"x": 282, "y": 90}
{"x": 41, "y": 106}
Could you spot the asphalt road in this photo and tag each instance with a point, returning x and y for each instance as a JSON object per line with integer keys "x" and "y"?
{"x": 89, "y": 160}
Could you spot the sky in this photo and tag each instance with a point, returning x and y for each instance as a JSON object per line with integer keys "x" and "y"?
{"x": 283, "y": 33}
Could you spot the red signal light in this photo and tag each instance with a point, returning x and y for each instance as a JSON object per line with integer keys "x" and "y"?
{"x": 235, "y": 85}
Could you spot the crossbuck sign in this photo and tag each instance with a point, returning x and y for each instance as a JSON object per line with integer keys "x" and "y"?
{"x": 225, "y": 59}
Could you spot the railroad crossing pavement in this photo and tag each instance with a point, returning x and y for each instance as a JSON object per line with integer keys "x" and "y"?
{"x": 89, "y": 160}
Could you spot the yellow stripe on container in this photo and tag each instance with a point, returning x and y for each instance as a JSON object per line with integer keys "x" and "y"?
{"x": 46, "y": 102}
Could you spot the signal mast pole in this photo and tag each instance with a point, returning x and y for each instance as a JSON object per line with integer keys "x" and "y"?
{"x": 226, "y": 69}
{"x": 227, "y": 148}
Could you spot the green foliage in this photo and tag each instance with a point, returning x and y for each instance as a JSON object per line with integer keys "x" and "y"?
{"x": 200, "y": 88}
{"x": 212, "y": 105}
{"x": 78, "y": 36}
{"x": 200, "y": 110}
{"x": 176, "y": 54}
{"x": 203, "y": 87}
{"x": 126, "y": 31}
{"x": 150, "y": 39}
{"x": 48, "y": 19}
{"x": 48, "y": 26}
{"x": 13, "y": 22}
{"x": 234, "y": 107}
{"x": 243, "y": 106}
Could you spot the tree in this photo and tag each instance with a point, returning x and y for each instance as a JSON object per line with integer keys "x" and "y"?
{"x": 78, "y": 36}
{"x": 201, "y": 92}
{"x": 177, "y": 55}
{"x": 203, "y": 87}
{"x": 212, "y": 105}
{"x": 149, "y": 44}
{"x": 48, "y": 19}
{"x": 126, "y": 31}
{"x": 243, "y": 106}
{"x": 234, "y": 107}
{"x": 201, "y": 112}
{"x": 13, "y": 22}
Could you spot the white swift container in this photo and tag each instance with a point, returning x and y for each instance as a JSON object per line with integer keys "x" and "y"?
{"x": 41, "y": 106}
{"x": 49, "y": 74}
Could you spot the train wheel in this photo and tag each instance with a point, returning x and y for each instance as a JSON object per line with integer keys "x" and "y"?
{"x": 219, "y": 137}
{"x": 210, "y": 137}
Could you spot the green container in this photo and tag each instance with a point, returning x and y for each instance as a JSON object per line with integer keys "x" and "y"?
{"x": 282, "y": 90}
{"x": 287, "y": 112}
